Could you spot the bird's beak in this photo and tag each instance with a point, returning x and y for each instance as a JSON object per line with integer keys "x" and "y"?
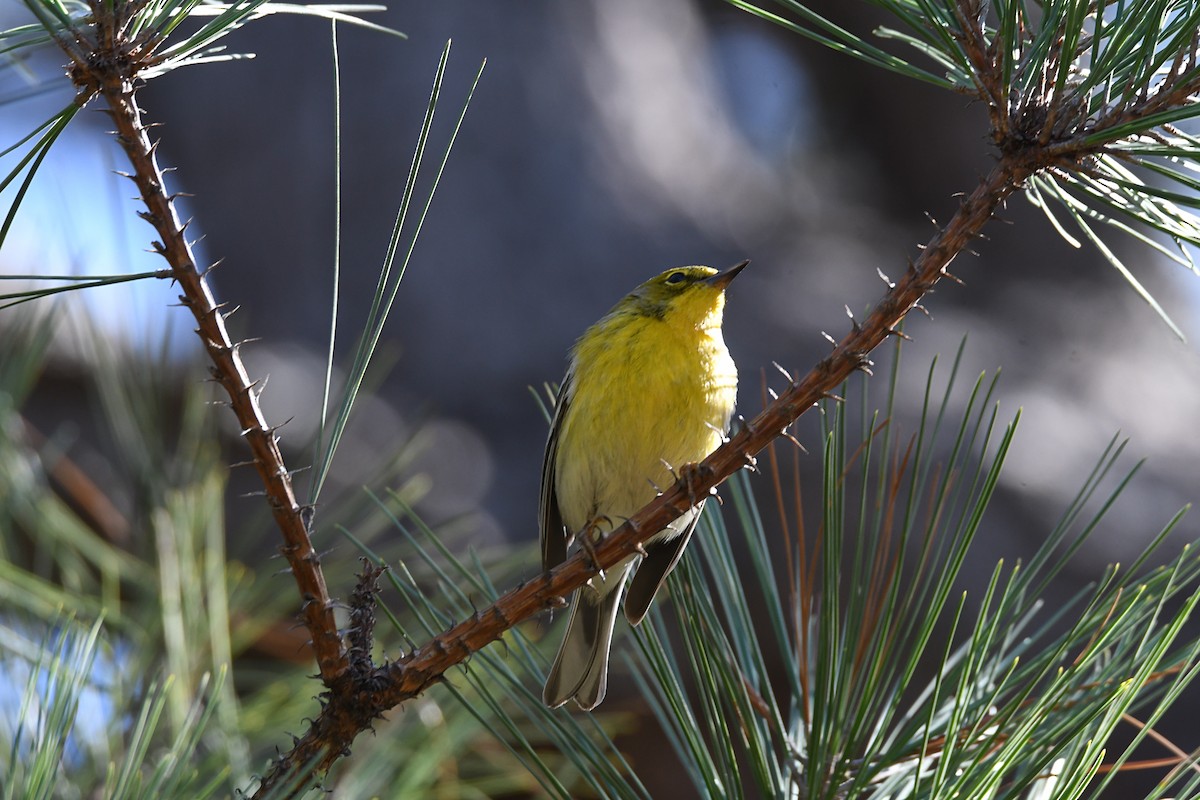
{"x": 722, "y": 279}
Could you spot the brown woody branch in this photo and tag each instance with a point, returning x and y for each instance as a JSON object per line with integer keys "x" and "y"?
{"x": 106, "y": 63}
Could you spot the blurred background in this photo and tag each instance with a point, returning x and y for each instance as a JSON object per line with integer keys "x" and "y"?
{"x": 608, "y": 140}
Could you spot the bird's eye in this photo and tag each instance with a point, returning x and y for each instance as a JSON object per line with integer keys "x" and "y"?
{"x": 676, "y": 277}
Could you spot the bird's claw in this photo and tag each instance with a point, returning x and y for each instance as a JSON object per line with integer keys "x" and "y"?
{"x": 591, "y": 536}
{"x": 693, "y": 474}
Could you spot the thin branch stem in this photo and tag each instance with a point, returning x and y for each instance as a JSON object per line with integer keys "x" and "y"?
{"x": 113, "y": 80}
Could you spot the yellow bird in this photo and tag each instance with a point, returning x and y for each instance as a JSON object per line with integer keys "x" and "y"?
{"x": 650, "y": 389}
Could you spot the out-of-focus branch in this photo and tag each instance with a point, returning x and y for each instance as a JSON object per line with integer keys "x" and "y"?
{"x": 77, "y": 489}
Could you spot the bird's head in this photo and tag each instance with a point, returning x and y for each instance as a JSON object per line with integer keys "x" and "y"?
{"x": 684, "y": 293}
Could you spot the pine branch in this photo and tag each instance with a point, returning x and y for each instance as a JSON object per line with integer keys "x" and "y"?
{"x": 107, "y": 64}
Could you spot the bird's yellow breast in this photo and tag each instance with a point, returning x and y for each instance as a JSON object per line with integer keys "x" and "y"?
{"x": 645, "y": 390}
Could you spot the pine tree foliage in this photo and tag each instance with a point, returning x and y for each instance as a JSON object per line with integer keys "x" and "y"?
{"x": 897, "y": 681}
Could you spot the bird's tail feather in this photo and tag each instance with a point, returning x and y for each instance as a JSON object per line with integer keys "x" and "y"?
{"x": 580, "y": 669}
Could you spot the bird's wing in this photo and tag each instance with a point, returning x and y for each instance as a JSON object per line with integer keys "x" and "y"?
{"x": 555, "y": 539}
{"x": 661, "y": 557}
